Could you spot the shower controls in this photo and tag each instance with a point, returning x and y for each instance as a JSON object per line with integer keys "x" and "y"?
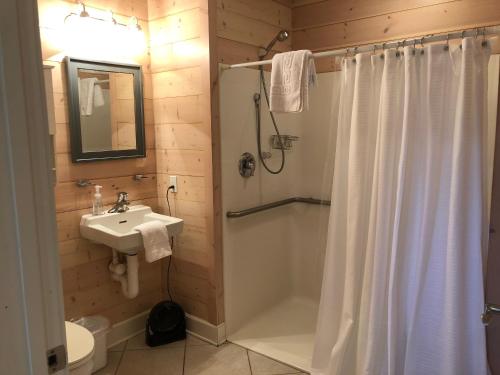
{"x": 286, "y": 141}
{"x": 246, "y": 165}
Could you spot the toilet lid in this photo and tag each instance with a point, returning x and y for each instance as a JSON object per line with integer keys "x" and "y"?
{"x": 80, "y": 343}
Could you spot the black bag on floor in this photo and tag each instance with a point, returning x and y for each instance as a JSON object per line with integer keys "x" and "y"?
{"x": 166, "y": 323}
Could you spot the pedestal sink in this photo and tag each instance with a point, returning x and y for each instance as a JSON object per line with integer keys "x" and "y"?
{"x": 116, "y": 230}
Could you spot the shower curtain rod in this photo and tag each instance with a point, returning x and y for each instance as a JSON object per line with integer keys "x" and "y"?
{"x": 476, "y": 32}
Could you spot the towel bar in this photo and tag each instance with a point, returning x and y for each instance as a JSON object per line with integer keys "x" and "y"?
{"x": 268, "y": 206}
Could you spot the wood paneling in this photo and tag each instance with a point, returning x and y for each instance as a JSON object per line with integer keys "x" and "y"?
{"x": 266, "y": 11}
{"x": 161, "y": 8}
{"x": 180, "y": 68}
{"x": 243, "y": 26}
{"x": 175, "y": 83}
{"x": 337, "y": 11}
{"x": 88, "y": 288}
{"x": 174, "y": 28}
{"x": 316, "y": 27}
{"x": 240, "y": 28}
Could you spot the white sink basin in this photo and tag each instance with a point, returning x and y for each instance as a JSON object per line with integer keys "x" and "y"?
{"x": 117, "y": 230}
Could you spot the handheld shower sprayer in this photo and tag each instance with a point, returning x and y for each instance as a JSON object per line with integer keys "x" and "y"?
{"x": 280, "y": 37}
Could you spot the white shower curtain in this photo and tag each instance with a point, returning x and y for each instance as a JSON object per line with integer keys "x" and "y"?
{"x": 403, "y": 282}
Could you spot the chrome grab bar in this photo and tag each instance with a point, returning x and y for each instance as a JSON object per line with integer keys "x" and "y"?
{"x": 268, "y": 206}
{"x": 489, "y": 310}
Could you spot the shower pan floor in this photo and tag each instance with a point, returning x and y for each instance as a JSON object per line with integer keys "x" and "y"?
{"x": 285, "y": 332}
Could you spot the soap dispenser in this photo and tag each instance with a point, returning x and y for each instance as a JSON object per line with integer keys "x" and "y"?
{"x": 97, "y": 208}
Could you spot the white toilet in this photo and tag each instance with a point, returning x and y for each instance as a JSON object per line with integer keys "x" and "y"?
{"x": 80, "y": 349}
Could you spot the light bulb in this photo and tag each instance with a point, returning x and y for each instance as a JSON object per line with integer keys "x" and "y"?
{"x": 133, "y": 24}
{"x": 110, "y": 18}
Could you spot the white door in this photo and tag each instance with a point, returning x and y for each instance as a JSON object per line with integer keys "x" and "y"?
{"x": 31, "y": 309}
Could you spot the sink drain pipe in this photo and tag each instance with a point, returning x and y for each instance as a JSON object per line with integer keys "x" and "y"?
{"x": 127, "y": 274}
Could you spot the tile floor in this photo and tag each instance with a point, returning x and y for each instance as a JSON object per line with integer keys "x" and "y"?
{"x": 189, "y": 357}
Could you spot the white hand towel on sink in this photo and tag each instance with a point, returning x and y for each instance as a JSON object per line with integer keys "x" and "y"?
{"x": 156, "y": 240}
{"x": 291, "y": 75}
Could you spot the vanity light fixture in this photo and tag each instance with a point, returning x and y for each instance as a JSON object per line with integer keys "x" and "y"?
{"x": 110, "y": 18}
{"x": 82, "y": 12}
{"x": 133, "y": 23}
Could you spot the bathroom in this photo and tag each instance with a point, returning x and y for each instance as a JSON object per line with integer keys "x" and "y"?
{"x": 256, "y": 262}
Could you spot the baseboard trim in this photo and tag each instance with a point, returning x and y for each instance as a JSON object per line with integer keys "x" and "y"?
{"x": 122, "y": 331}
{"x": 206, "y": 331}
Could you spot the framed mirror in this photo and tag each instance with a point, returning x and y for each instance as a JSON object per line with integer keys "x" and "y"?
{"x": 106, "y": 116}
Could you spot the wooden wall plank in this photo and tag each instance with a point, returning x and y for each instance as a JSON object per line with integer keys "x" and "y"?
{"x": 178, "y": 55}
{"x": 183, "y": 136}
{"x": 180, "y": 63}
{"x": 337, "y": 11}
{"x": 403, "y": 24}
{"x": 288, "y": 3}
{"x": 68, "y": 171}
{"x": 178, "y": 110}
{"x": 298, "y": 3}
{"x": 88, "y": 288}
{"x": 247, "y": 30}
{"x": 175, "y": 83}
{"x": 175, "y": 28}
{"x": 182, "y": 162}
{"x": 70, "y": 197}
{"x": 266, "y": 11}
{"x": 161, "y": 8}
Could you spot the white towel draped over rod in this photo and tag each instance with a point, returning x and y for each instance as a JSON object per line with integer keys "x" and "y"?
{"x": 481, "y": 32}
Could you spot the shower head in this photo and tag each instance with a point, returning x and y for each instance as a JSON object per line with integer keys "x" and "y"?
{"x": 280, "y": 37}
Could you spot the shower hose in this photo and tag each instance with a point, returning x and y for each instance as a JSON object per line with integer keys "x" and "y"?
{"x": 257, "y": 98}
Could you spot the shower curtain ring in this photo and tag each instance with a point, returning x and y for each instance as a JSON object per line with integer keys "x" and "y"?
{"x": 422, "y": 44}
{"x": 346, "y": 53}
{"x": 354, "y": 54}
{"x": 402, "y": 53}
{"x": 462, "y": 36}
{"x": 447, "y": 46}
{"x": 484, "y": 43}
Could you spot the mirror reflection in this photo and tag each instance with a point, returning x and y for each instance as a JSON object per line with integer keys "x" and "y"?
{"x": 107, "y": 110}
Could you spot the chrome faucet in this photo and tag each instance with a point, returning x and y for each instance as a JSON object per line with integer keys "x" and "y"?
{"x": 121, "y": 204}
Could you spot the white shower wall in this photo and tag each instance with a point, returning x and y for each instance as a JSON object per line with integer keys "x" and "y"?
{"x": 275, "y": 258}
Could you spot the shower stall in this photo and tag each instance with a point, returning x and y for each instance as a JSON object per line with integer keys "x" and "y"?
{"x": 273, "y": 259}
{"x": 277, "y": 174}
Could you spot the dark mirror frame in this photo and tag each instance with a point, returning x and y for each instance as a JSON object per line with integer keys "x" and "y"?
{"x": 77, "y": 154}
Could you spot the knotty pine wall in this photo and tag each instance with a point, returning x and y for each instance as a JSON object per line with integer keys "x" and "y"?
{"x": 88, "y": 288}
{"x": 242, "y": 26}
{"x": 180, "y": 66}
{"x": 329, "y": 24}
{"x": 176, "y": 71}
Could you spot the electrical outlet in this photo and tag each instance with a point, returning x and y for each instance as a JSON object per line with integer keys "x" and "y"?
{"x": 173, "y": 182}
